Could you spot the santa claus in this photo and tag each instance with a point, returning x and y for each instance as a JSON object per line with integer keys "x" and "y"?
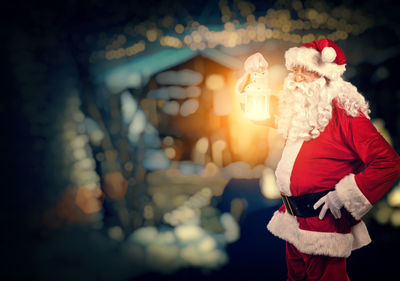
{"x": 335, "y": 165}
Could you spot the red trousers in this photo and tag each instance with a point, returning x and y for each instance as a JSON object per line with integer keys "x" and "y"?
{"x": 314, "y": 267}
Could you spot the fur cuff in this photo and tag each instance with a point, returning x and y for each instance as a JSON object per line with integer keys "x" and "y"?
{"x": 331, "y": 244}
{"x": 353, "y": 199}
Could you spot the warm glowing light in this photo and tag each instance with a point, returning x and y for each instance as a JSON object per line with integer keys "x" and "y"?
{"x": 79, "y": 153}
{"x": 189, "y": 107}
{"x": 171, "y": 41}
{"x": 79, "y": 141}
{"x": 211, "y": 169}
{"x": 207, "y": 244}
{"x": 128, "y": 166}
{"x": 116, "y": 233}
{"x": 229, "y": 26}
{"x": 179, "y": 28}
{"x": 173, "y": 172}
{"x": 121, "y": 52}
{"x": 202, "y": 145}
{"x": 215, "y": 82}
{"x": 115, "y": 185}
{"x": 380, "y": 126}
{"x": 268, "y": 184}
{"x": 256, "y": 106}
{"x": 395, "y": 218}
{"x": 151, "y": 35}
{"x": 148, "y": 212}
{"x": 277, "y": 74}
{"x": 237, "y": 207}
{"x": 188, "y": 39}
{"x": 170, "y": 152}
{"x": 135, "y": 48}
{"x": 68, "y": 210}
{"x": 217, "y": 155}
{"x": 168, "y": 141}
{"x": 196, "y": 36}
{"x": 394, "y": 197}
{"x": 383, "y": 213}
{"x": 188, "y": 232}
{"x": 340, "y": 22}
{"x": 200, "y": 150}
{"x": 312, "y": 14}
{"x": 219, "y": 145}
{"x": 87, "y": 199}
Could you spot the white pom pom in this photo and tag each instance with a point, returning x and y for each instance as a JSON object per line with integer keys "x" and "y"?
{"x": 328, "y": 54}
{"x": 256, "y": 63}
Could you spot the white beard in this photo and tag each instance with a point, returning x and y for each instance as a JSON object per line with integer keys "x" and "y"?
{"x": 305, "y": 108}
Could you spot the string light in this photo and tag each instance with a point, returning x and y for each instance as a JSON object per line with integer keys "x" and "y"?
{"x": 179, "y": 28}
{"x": 311, "y": 23}
{"x": 171, "y": 42}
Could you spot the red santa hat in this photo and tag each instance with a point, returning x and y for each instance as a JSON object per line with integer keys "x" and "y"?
{"x": 322, "y": 56}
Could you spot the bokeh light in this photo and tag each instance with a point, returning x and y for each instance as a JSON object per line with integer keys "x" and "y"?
{"x": 131, "y": 152}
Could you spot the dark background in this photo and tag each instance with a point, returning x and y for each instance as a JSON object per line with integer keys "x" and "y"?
{"x": 54, "y": 32}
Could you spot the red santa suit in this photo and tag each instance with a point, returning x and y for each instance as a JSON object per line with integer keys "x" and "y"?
{"x": 345, "y": 152}
{"x": 349, "y": 155}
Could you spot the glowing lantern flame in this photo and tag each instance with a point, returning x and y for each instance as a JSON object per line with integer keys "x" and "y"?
{"x": 256, "y": 105}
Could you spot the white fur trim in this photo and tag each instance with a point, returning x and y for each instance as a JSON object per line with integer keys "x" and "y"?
{"x": 331, "y": 244}
{"x": 328, "y": 54}
{"x": 285, "y": 166}
{"x": 311, "y": 59}
{"x": 353, "y": 199}
{"x": 361, "y": 235}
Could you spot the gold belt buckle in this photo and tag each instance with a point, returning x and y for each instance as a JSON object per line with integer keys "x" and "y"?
{"x": 287, "y": 203}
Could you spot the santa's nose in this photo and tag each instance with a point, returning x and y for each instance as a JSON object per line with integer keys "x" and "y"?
{"x": 298, "y": 77}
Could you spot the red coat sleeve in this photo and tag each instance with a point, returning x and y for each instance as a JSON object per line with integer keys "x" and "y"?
{"x": 382, "y": 166}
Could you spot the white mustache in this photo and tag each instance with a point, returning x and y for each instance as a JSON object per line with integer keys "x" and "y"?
{"x": 303, "y": 87}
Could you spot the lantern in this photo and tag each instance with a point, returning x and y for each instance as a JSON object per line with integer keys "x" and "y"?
{"x": 254, "y": 97}
{"x": 256, "y": 105}
{"x": 253, "y": 90}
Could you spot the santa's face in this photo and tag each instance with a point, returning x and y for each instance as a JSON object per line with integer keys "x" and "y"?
{"x": 305, "y": 107}
{"x": 300, "y": 74}
{"x": 304, "y": 84}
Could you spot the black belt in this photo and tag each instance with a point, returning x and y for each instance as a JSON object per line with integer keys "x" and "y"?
{"x": 303, "y": 205}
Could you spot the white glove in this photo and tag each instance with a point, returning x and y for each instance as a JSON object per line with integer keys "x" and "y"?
{"x": 332, "y": 202}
